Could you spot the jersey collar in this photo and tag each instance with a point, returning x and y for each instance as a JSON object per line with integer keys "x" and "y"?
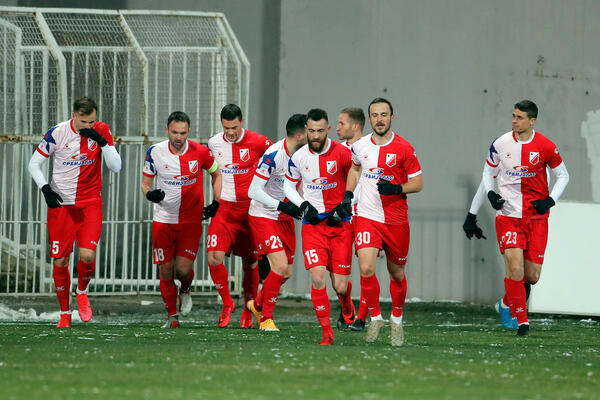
{"x": 237, "y": 141}
{"x": 187, "y": 145}
{"x": 385, "y": 144}
{"x": 523, "y": 142}
{"x": 327, "y": 147}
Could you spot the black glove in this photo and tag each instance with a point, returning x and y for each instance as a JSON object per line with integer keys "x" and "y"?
{"x": 311, "y": 215}
{"x": 210, "y": 210}
{"x": 289, "y": 208}
{"x": 92, "y": 134}
{"x": 342, "y": 210}
{"x": 495, "y": 200}
{"x": 52, "y": 198}
{"x": 470, "y": 227}
{"x": 155, "y": 195}
{"x": 387, "y": 188}
{"x": 542, "y": 206}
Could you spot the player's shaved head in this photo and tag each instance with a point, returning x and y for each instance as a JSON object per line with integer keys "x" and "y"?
{"x": 317, "y": 114}
{"x": 85, "y": 105}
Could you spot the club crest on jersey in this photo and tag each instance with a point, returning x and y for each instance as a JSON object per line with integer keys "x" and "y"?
{"x": 244, "y": 154}
{"x": 332, "y": 167}
{"x": 92, "y": 144}
{"x": 193, "y": 166}
{"x": 534, "y": 157}
{"x": 390, "y": 159}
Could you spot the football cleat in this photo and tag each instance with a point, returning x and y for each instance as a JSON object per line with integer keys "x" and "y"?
{"x": 373, "y": 330}
{"x": 225, "y": 317}
{"x": 246, "y": 319}
{"x": 504, "y": 314}
{"x": 514, "y": 324}
{"x": 342, "y": 325}
{"x": 83, "y": 306}
{"x": 397, "y": 334}
{"x": 523, "y": 330}
{"x": 358, "y": 325}
{"x": 350, "y": 318}
{"x": 327, "y": 339}
{"x": 268, "y": 325}
{"x": 65, "y": 320}
{"x": 185, "y": 303}
{"x": 171, "y": 322}
{"x": 250, "y": 306}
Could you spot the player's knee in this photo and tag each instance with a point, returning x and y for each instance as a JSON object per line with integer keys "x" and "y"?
{"x": 214, "y": 259}
{"x": 367, "y": 269}
{"x": 532, "y": 277}
{"x": 61, "y": 262}
{"x": 340, "y": 287}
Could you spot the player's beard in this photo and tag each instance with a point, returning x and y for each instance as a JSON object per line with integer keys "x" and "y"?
{"x": 387, "y": 129}
{"x": 320, "y": 143}
{"x": 177, "y": 146}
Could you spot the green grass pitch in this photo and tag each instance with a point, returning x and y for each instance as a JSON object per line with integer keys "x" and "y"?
{"x": 452, "y": 351}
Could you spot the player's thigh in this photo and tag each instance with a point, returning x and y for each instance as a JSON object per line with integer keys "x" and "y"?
{"x": 61, "y": 231}
{"x": 510, "y": 233}
{"x": 163, "y": 242}
{"x": 513, "y": 260}
{"x": 267, "y": 235}
{"x": 367, "y": 234}
{"x": 314, "y": 246}
{"x": 89, "y": 227}
{"x": 396, "y": 271}
{"x": 340, "y": 243}
{"x": 187, "y": 241}
{"x": 537, "y": 239}
{"x": 532, "y": 271}
{"x": 278, "y": 263}
{"x": 183, "y": 266}
{"x": 219, "y": 237}
{"x": 396, "y": 241}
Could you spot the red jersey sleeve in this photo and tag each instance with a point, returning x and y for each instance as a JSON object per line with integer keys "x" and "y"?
{"x": 411, "y": 163}
{"x": 104, "y": 130}
{"x": 554, "y": 158}
{"x": 206, "y": 156}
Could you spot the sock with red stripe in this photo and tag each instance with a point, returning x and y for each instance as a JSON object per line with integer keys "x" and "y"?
{"x": 258, "y": 301}
{"x": 220, "y": 277}
{"x": 346, "y": 300}
{"x": 320, "y": 301}
{"x": 398, "y": 292}
{"x": 168, "y": 290}
{"x": 362, "y": 306}
{"x": 84, "y": 274}
{"x": 371, "y": 288}
{"x": 518, "y": 302}
{"x": 62, "y": 282}
{"x": 506, "y": 299}
{"x": 270, "y": 291}
{"x": 250, "y": 283}
{"x": 186, "y": 283}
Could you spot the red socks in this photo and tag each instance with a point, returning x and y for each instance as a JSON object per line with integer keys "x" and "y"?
{"x": 517, "y": 299}
{"x": 168, "y": 290}
{"x": 62, "y": 282}
{"x": 320, "y": 301}
{"x": 506, "y": 299}
{"x": 187, "y": 282}
{"x": 362, "y": 306}
{"x": 346, "y": 300}
{"x": 84, "y": 274}
{"x": 270, "y": 291}
{"x": 370, "y": 285}
{"x": 398, "y": 292}
{"x": 250, "y": 282}
{"x": 220, "y": 277}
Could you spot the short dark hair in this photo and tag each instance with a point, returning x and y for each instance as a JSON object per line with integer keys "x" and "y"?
{"x": 380, "y": 100}
{"x": 178, "y": 116}
{"x": 231, "y": 112}
{"x": 85, "y": 105}
{"x": 295, "y": 124}
{"x": 317, "y": 114}
{"x": 356, "y": 114}
{"x": 529, "y": 107}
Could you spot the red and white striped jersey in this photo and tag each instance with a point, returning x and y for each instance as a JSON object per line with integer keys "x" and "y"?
{"x": 180, "y": 176}
{"x": 521, "y": 172}
{"x": 76, "y": 169}
{"x": 272, "y": 167}
{"x": 395, "y": 161}
{"x": 237, "y": 162}
{"x": 323, "y": 175}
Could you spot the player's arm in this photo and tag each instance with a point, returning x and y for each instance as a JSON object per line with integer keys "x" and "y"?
{"x": 353, "y": 177}
{"x": 470, "y": 225}
{"x": 111, "y": 156}
{"x": 52, "y": 198}
{"x": 414, "y": 184}
{"x": 562, "y": 179}
{"x": 256, "y": 192}
{"x": 217, "y": 183}
{"x": 155, "y": 195}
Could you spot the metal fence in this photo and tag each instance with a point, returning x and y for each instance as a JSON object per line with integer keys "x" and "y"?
{"x": 139, "y": 66}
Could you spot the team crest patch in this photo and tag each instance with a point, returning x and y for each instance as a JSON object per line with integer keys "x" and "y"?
{"x": 390, "y": 159}
{"x": 193, "y": 165}
{"x": 534, "y": 157}
{"x": 332, "y": 167}
{"x": 92, "y": 144}
{"x": 244, "y": 154}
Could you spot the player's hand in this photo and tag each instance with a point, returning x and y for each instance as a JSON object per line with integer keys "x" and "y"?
{"x": 289, "y": 208}
{"x": 92, "y": 134}
{"x": 311, "y": 215}
{"x": 52, "y": 198}
{"x": 210, "y": 210}
{"x": 470, "y": 227}
{"x": 387, "y": 188}
{"x": 542, "y": 206}
{"x": 342, "y": 210}
{"x": 155, "y": 195}
{"x": 495, "y": 200}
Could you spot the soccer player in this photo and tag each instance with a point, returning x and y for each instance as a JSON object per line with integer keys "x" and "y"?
{"x": 74, "y": 198}
{"x": 351, "y": 123}
{"x": 322, "y": 166}
{"x": 271, "y": 219}
{"x": 237, "y": 151}
{"x": 177, "y": 164}
{"x": 388, "y": 168}
{"x": 519, "y": 159}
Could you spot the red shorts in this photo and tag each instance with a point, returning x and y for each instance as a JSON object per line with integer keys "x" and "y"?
{"x": 531, "y": 235}
{"x": 69, "y": 223}
{"x": 328, "y": 246}
{"x": 272, "y": 236}
{"x": 393, "y": 239}
{"x": 229, "y": 231}
{"x": 175, "y": 240}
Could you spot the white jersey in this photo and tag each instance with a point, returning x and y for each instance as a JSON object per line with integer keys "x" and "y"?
{"x": 272, "y": 168}
{"x": 357, "y": 188}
